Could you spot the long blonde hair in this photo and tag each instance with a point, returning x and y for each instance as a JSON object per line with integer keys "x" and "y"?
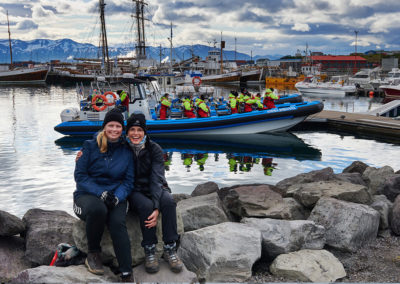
{"x": 102, "y": 141}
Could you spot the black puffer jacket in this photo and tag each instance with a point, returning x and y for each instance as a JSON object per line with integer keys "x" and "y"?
{"x": 150, "y": 172}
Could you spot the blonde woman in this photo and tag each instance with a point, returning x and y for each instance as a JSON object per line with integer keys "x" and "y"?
{"x": 104, "y": 179}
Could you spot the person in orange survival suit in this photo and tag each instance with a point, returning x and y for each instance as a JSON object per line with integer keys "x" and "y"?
{"x": 269, "y": 98}
{"x": 165, "y": 105}
{"x": 203, "y": 110}
{"x": 233, "y": 101}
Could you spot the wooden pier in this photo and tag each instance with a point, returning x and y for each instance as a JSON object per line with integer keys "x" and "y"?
{"x": 353, "y": 123}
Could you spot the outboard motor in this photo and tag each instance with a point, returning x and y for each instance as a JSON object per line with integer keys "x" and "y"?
{"x": 69, "y": 114}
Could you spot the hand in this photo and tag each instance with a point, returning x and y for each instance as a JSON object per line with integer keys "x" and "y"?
{"x": 109, "y": 199}
{"x": 78, "y": 155}
{"x": 152, "y": 219}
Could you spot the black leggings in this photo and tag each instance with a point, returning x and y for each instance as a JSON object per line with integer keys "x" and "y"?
{"x": 95, "y": 213}
{"x": 143, "y": 205}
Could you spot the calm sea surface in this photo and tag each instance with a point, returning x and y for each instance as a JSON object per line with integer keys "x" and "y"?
{"x": 37, "y": 163}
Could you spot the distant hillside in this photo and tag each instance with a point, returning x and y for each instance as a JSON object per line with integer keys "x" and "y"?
{"x": 44, "y": 50}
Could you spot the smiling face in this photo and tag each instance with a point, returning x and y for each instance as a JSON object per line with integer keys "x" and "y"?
{"x": 113, "y": 130}
{"x": 135, "y": 134}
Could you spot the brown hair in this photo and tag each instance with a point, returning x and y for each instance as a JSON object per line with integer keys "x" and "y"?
{"x": 102, "y": 141}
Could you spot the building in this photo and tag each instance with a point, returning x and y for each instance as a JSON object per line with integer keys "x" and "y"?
{"x": 340, "y": 64}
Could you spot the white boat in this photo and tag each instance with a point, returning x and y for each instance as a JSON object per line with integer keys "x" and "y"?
{"x": 392, "y": 78}
{"x": 364, "y": 77}
{"x": 337, "y": 87}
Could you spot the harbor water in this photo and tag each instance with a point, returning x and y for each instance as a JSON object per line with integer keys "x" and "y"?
{"x": 37, "y": 163}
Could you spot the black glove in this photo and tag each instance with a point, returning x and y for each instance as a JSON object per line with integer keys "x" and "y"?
{"x": 109, "y": 199}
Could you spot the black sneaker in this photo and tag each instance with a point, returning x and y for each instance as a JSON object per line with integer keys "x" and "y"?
{"x": 151, "y": 262}
{"x": 94, "y": 264}
{"x": 170, "y": 255}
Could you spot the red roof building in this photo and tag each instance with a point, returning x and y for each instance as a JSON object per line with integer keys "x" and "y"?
{"x": 340, "y": 63}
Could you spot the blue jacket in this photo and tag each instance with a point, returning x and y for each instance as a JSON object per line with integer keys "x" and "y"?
{"x": 97, "y": 172}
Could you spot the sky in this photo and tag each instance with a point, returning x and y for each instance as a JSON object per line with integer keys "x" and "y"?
{"x": 260, "y": 27}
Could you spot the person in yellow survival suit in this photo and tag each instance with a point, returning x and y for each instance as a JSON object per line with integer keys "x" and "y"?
{"x": 259, "y": 104}
{"x": 165, "y": 105}
{"x": 269, "y": 98}
{"x": 249, "y": 102}
{"x": 202, "y": 110}
{"x": 124, "y": 97}
{"x": 188, "y": 108}
{"x": 201, "y": 160}
{"x": 233, "y": 103}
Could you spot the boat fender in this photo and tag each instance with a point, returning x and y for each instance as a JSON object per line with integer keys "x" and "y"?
{"x": 111, "y": 102}
{"x": 99, "y": 108}
{"x": 196, "y": 81}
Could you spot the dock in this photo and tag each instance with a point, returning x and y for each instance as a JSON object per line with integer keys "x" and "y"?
{"x": 357, "y": 124}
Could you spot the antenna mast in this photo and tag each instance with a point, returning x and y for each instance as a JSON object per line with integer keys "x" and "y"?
{"x": 9, "y": 40}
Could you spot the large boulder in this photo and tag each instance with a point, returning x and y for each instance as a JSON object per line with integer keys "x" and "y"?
{"x": 282, "y": 236}
{"x": 308, "y": 266}
{"x": 294, "y": 210}
{"x": 351, "y": 177}
{"x": 201, "y": 211}
{"x": 180, "y": 196}
{"x": 255, "y": 201}
{"x": 313, "y": 176}
{"x": 375, "y": 178}
{"x": 205, "y": 188}
{"x": 44, "y": 231}
{"x": 309, "y": 193}
{"x": 10, "y": 225}
{"x": 348, "y": 225}
{"x": 381, "y": 204}
{"x": 395, "y": 217}
{"x": 221, "y": 253}
{"x": 12, "y": 258}
{"x": 391, "y": 187}
{"x": 135, "y": 236}
{"x": 356, "y": 167}
{"x": 164, "y": 275}
{"x": 69, "y": 274}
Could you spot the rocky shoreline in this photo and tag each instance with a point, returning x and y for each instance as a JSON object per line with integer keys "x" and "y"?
{"x": 313, "y": 227}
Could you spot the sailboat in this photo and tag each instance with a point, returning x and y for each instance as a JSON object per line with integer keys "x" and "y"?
{"x": 22, "y": 75}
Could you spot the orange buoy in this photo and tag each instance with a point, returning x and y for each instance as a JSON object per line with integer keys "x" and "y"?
{"x": 371, "y": 94}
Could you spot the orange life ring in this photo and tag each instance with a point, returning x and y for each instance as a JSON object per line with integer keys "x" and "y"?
{"x": 110, "y": 93}
{"x": 196, "y": 81}
{"x": 103, "y": 107}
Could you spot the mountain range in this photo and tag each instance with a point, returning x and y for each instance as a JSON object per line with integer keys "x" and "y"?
{"x": 65, "y": 50}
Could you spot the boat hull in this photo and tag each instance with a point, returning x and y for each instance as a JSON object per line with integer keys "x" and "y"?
{"x": 279, "y": 119}
{"x": 24, "y": 76}
{"x": 391, "y": 92}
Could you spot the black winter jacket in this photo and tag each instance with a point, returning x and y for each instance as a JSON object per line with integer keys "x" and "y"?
{"x": 150, "y": 172}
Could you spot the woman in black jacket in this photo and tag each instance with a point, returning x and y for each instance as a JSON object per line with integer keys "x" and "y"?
{"x": 151, "y": 195}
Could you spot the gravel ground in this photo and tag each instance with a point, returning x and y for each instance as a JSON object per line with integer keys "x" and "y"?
{"x": 378, "y": 261}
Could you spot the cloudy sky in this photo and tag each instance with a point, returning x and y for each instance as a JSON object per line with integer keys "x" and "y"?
{"x": 260, "y": 26}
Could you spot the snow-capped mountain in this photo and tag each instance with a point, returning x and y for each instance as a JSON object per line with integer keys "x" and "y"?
{"x": 45, "y": 50}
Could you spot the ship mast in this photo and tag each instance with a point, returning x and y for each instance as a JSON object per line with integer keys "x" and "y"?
{"x": 103, "y": 38}
{"x": 9, "y": 40}
{"x": 141, "y": 41}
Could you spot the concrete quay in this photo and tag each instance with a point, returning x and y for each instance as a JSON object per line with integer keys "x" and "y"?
{"x": 353, "y": 123}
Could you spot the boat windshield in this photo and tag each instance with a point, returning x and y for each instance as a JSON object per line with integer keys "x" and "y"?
{"x": 137, "y": 92}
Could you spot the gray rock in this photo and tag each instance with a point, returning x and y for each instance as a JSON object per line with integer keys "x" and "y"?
{"x": 201, "y": 211}
{"x": 205, "y": 188}
{"x": 225, "y": 252}
{"x": 12, "y": 258}
{"x": 135, "y": 236}
{"x": 395, "y": 217}
{"x": 348, "y": 225}
{"x": 309, "y": 193}
{"x": 375, "y": 178}
{"x": 10, "y": 225}
{"x": 281, "y": 236}
{"x": 313, "y": 176}
{"x": 44, "y": 231}
{"x": 180, "y": 196}
{"x": 391, "y": 187}
{"x": 308, "y": 266}
{"x": 381, "y": 204}
{"x": 356, "y": 167}
{"x": 255, "y": 201}
{"x": 69, "y": 274}
{"x": 352, "y": 178}
{"x": 294, "y": 210}
{"x": 164, "y": 275}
